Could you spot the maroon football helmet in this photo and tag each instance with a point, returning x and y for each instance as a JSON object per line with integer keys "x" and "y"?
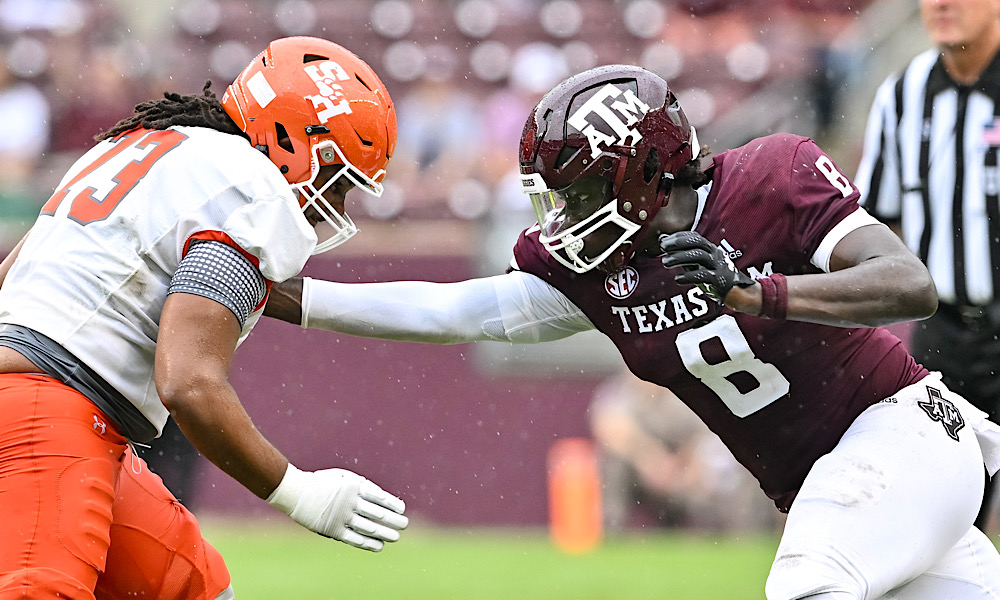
{"x": 598, "y": 154}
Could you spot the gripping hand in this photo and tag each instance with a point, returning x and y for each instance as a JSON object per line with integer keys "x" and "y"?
{"x": 705, "y": 264}
{"x": 341, "y": 505}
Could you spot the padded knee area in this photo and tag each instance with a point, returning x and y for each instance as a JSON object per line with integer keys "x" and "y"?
{"x": 157, "y": 550}
{"x": 193, "y": 571}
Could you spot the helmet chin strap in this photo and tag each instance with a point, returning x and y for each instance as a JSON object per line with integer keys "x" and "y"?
{"x": 623, "y": 162}
{"x": 618, "y": 259}
{"x": 663, "y": 190}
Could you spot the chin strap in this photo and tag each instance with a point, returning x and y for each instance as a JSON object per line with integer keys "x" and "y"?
{"x": 618, "y": 259}
{"x": 664, "y": 189}
{"x": 625, "y": 153}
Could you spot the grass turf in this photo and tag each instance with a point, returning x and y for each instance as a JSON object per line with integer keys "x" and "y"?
{"x": 279, "y": 561}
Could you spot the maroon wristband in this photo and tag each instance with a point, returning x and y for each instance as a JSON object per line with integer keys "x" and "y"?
{"x": 774, "y": 297}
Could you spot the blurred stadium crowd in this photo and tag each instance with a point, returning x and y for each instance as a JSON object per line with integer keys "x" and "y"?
{"x": 463, "y": 74}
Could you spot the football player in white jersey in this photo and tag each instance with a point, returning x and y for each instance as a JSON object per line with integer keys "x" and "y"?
{"x": 125, "y": 302}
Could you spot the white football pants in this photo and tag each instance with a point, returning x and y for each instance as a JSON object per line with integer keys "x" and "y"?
{"x": 888, "y": 513}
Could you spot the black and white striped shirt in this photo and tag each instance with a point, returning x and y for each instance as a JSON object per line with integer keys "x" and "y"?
{"x": 930, "y": 166}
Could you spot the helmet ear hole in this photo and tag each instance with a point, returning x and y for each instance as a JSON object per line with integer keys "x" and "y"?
{"x": 565, "y": 156}
{"x": 363, "y": 82}
{"x": 651, "y": 168}
{"x": 284, "y": 141}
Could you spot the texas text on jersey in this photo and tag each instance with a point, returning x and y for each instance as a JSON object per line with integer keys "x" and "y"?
{"x": 779, "y": 394}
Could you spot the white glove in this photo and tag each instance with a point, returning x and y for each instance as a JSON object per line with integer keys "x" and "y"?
{"x": 341, "y": 505}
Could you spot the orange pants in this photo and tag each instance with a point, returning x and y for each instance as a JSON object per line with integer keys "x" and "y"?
{"x": 82, "y": 517}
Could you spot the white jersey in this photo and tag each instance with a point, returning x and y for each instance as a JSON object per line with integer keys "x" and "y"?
{"x": 93, "y": 273}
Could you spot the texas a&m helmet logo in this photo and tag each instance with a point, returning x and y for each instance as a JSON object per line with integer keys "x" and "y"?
{"x": 621, "y": 284}
{"x": 619, "y": 116}
{"x": 939, "y": 409}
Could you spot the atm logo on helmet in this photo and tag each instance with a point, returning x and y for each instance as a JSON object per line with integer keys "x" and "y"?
{"x": 330, "y": 101}
{"x": 623, "y": 112}
{"x": 622, "y": 283}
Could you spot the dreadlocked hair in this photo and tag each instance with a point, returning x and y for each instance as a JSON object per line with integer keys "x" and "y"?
{"x": 174, "y": 109}
{"x": 691, "y": 173}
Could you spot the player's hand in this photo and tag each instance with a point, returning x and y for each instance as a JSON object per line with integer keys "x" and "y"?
{"x": 342, "y": 505}
{"x": 705, "y": 264}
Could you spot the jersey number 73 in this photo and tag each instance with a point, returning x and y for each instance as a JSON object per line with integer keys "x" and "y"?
{"x": 103, "y": 190}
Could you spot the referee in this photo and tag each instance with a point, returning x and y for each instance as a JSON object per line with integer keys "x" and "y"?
{"x": 929, "y": 170}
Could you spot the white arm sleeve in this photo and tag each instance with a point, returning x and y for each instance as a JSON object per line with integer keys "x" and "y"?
{"x": 516, "y": 307}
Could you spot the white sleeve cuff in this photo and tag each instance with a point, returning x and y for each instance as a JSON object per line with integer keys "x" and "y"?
{"x": 821, "y": 258}
{"x": 305, "y": 301}
{"x": 286, "y": 495}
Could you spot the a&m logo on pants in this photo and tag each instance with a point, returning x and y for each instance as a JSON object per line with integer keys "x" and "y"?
{"x": 939, "y": 409}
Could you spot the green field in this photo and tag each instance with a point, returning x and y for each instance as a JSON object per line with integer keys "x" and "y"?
{"x": 281, "y": 561}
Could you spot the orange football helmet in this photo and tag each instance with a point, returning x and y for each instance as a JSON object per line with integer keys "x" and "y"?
{"x": 307, "y": 102}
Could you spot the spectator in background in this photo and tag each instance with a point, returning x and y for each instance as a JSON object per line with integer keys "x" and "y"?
{"x": 929, "y": 170}
{"x": 440, "y": 142}
{"x": 24, "y": 138}
{"x": 88, "y": 106}
{"x": 176, "y": 461}
{"x": 659, "y": 463}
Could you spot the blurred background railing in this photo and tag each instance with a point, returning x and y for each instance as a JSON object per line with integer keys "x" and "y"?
{"x": 461, "y": 432}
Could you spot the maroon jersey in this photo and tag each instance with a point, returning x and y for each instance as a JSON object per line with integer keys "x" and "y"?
{"x": 780, "y": 394}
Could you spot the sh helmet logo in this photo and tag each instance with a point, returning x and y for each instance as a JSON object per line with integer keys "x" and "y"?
{"x": 331, "y": 101}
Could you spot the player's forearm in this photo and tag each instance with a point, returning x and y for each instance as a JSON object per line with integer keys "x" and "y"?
{"x": 284, "y": 301}
{"x": 877, "y": 292}
{"x": 212, "y": 418}
{"x": 515, "y": 307}
{"x": 881, "y": 291}
{"x": 194, "y": 352}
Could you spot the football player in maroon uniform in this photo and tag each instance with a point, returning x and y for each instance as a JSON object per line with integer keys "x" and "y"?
{"x": 754, "y": 290}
